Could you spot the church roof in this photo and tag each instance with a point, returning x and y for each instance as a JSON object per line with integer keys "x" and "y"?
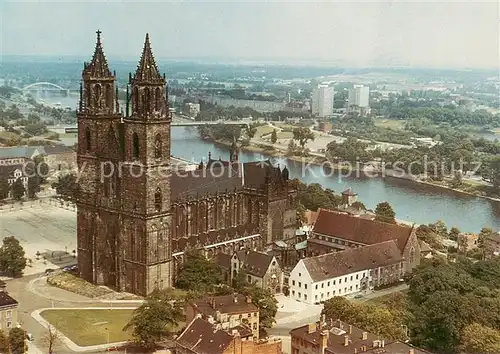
{"x": 147, "y": 71}
{"x": 98, "y": 66}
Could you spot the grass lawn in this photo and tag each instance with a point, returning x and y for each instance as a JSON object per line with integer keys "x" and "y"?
{"x": 8, "y": 135}
{"x": 90, "y": 327}
{"x": 285, "y": 135}
{"x": 390, "y": 123}
{"x": 263, "y": 130}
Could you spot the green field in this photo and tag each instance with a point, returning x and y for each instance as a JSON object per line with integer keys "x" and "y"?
{"x": 263, "y": 130}
{"x": 90, "y": 327}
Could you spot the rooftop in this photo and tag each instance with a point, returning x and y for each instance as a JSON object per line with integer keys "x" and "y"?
{"x": 336, "y": 264}
{"x": 229, "y": 304}
{"x": 6, "y": 300}
{"x": 360, "y": 230}
{"x": 255, "y": 263}
{"x": 200, "y": 337}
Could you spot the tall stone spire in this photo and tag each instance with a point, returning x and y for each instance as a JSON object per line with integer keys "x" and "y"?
{"x": 147, "y": 71}
{"x": 98, "y": 67}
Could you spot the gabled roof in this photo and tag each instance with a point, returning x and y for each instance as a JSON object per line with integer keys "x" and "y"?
{"x": 18, "y": 152}
{"x": 98, "y": 66}
{"x": 230, "y": 304}
{"x": 336, "y": 264}
{"x": 254, "y": 263}
{"x": 6, "y": 300}
{"x": 360, "y": 230}
{"x": 201, "y": 338}
{"x": 147, "y": 71}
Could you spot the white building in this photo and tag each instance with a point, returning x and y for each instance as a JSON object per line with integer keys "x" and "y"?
{"x": 359, "y": 96}
{"x": 322, "y": 101}
{"x": 316, "y": 279}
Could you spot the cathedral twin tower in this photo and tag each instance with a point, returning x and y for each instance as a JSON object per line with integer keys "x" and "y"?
{"x": 124, "y": 215}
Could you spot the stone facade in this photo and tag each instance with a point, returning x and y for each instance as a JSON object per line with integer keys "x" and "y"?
{"x": 136, "y": 215}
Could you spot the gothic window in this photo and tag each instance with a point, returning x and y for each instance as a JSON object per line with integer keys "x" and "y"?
{"x": 97, "y": 95}
{"x": 87, "y": 139}
{"x": 147, "y": 99}
{"x": 412, "y": 255}
{"x": 135, "y": 143}
{"x": 158, "y": 200}
{"x": 158, "y": 146}
{"x": 157, "y": 99}
{"x": 135, "y": 100}
{"x": 109, "y": 95}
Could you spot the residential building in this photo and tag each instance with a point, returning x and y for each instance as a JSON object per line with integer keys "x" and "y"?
{"x": 203, "y": 337}
{"x": 349, "y": 197}
{"x": 336, "y": 337}
{"x": 8, "y": 310}
{"x": 228, "y": 311}
{"x": 316, "y": 279}
{"x": 59, "y": 157}
{"x": 359, "y": 96}
{"x": 17, "y": 155}
{"x": 466, "y": 242}
{"x": 337, "y": 231}
{"x": 261, "y": 269}
{"x": 14, "y": 172}
{"x": 322, "y": 101}
{"x": 191, "y": 109}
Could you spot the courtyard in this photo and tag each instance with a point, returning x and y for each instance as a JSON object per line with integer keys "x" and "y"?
{"x": 41, "y": 228}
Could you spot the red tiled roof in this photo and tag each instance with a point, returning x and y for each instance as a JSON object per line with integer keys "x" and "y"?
{"x": 360, "y": 230}
{"x": 201, "y": 338}
{"x": 254, "y": 263}
{"x": 230, "y": 304}
{"x": 336, "y": 264}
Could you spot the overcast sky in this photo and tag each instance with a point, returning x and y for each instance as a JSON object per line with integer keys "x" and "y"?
{"x": 437, "y": 34}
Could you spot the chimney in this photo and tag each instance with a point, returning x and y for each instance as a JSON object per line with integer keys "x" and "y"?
{"x": 350, "y": 329}
{"x": 249, "y": 300}
{"x": 212, "y": 302}
{"x": 340, "y": 324}
{"x": 382, "y": 343}
{"x": 355, "y": 350}
{"x": 411, "y": 351}
{"x": 235, "y": 299}
{"x": 311, "y": 328}
{"x": 346, "y": 341}
{"x": 365, "y": 336}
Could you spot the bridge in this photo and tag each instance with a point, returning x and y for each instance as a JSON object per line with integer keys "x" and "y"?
{"x": 71, "y": 129}
{"x": 45, "y": 86}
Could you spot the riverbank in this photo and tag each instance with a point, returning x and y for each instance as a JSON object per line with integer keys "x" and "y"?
{"x": 321, "y": 160}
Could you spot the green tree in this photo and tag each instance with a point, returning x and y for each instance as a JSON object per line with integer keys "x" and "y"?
{"x": 495, "y": 172}
{"x": 476, "y": 338}
{"x": 274, "y": 137}
{"x": 453, "y": 234}
{"x": 303, "y": 135}
{"x": 251, "y": 130}
{"x": 358, "y": 206}
{"x": 66, "y": 187}
{"x": 16, "y": 341}
{"x": 12, "y": 259}
{"x": 4, "y": 188}
{"x": 385, "y": 213}
{"x": 18, "y": 189}
{"x": 265, "y": 301}
{"x": 198, "y": 273}
{"x": 483, "y": 234}
{"x": 155, "y": 320}
{"x": 338, "y": 307}
{"x": 4, "y": 342}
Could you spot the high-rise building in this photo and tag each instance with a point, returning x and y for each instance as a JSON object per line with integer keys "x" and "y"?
{"x": 322, "y": 101}
{"x": 359, "y": 96}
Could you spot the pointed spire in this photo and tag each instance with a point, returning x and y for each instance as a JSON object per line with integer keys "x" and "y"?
{"x": 147, "y": 71}
{"x": 98, "y": 66}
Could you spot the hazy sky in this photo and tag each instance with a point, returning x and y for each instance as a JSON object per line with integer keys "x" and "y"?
{"x": 443, "y": 34}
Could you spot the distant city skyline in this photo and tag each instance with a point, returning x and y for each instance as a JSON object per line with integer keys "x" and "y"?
{"x": 352, "y": 34}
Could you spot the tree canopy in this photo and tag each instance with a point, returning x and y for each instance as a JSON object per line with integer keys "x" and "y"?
{"x": 385, "y": 213}
{"x": 197, "y": 273}
{"x": 12, "y": 259}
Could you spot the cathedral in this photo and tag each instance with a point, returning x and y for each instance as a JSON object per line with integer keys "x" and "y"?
{"x": 138, "y": 212}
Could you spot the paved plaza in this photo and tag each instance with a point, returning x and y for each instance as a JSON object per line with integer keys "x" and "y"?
{"x": 41, "y": 227}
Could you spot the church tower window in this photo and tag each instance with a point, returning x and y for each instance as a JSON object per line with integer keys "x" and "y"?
{"x": 135, "y": 143}
{"x": 87, "y": 140}
{"x": 158, "y": 147}
{"x": 158, "y": 200}
{"x": 157, "y": 99}
{"x": 97, "y": 95}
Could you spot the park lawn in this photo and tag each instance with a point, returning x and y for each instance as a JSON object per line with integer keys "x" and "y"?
{"x": 390, "y": 123}
{"x": 263, "y": 130}
{"x": 285, "y": 135}
{"x": 9, "y": 135}
{"x": 90, "y": 327}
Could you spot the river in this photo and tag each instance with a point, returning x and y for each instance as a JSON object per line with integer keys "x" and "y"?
{"x": 411, "y": 201}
